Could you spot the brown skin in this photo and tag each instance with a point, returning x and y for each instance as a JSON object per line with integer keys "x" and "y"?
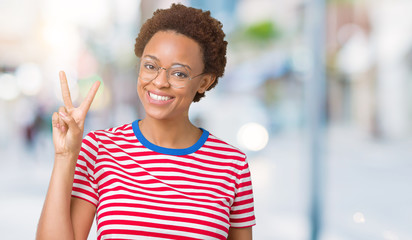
{"x": 64, "y": 217}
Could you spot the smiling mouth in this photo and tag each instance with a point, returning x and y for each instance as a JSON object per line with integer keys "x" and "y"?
{"x": 159, "y": 98}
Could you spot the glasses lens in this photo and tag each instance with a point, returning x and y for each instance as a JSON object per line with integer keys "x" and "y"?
{"x": 178, "y": 76}
{"x": 148, "y": 70}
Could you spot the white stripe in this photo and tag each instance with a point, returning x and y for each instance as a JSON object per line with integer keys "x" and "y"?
{"x": 217, "y": 159}
{"x": 164, "y": 205}
{"x": 246, "y": 197}
{"x": 169, "y": 183}
{"x": 196, "y": 177}
{"x": 165, "y": 213}
{"x": 241, "y": 207}
{"x": 108, "y": 136}
{"x": 85, "y": 187}
{"x": 131, "y": 196}
{"x": 85, "y": 196}
{"x": 243, "y": 224}
{"x": 194, "y": 170}
{"x": 226, "y": 153}
{"x": 158, "y": 221}
{"x": 142, "y": 159}
{"x": 174, "y": 233}
{"x": 245, "y": 188}
{"x": 240, "y": 216}
{"x": 128, "y": 236}
{"x": 153, "y": 192}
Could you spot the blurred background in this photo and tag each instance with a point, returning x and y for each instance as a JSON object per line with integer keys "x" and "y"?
{"x": 318, "y": 94}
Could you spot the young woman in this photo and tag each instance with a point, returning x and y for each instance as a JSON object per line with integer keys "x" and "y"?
{"x": 160, "y": 177}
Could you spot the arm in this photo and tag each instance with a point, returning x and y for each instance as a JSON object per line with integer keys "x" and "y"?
{"x": 60, "y": 215}
{"x": 82, "y": 213}
{"x": 55, "y": 217}
{"x": 240, "y": 233}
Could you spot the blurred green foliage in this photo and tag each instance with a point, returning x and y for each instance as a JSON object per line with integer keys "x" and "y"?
{"x": 262, "y": 31}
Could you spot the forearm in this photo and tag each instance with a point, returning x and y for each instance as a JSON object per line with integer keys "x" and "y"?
{"x": 55, "y": 221}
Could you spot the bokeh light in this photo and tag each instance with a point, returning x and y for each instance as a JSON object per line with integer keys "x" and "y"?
{"x": 8, "y": 87}
{"x": 253, "y": 136}
{"x": 358, "y": 217}
{"x": 29, "y": 79}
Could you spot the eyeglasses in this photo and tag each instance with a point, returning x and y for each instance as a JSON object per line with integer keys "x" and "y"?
{"x": 177, "y": 75}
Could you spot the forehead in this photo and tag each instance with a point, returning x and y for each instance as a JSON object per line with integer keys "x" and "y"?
{"x": 170, "y": 47}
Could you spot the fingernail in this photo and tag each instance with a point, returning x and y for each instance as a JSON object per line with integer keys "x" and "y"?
{"x": 62, "y": 114}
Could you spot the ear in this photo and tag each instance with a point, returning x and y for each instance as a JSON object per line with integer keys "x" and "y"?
{"x": 206, "y": 81}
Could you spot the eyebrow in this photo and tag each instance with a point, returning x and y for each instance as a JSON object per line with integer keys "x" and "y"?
{"x": 156, "y": 59}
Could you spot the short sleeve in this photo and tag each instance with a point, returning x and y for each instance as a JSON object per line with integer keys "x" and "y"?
{"x": 84, "y": 183}
{"x": 242, "y": 211}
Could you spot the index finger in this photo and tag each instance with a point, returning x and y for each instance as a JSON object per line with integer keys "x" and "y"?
{"x": 65, "y": 90}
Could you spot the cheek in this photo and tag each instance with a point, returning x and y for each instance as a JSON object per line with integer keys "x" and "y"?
{"x": 192, "y": 92}
{"x": 140, "y": 89}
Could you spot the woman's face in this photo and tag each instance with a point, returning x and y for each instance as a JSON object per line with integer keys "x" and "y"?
{"x": 169, "y": 49}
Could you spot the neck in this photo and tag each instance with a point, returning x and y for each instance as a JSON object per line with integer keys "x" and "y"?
{"x": 176, "y": 133}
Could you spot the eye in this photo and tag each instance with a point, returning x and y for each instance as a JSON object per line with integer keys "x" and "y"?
{"x": 150, "y": 66}
{"x": 180, "y": 74}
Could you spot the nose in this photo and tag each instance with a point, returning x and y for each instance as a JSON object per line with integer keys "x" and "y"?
{"x": 161, "y": 80}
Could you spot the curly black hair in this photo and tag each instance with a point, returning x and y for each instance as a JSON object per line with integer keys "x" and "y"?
{"x": 195, "y": 24}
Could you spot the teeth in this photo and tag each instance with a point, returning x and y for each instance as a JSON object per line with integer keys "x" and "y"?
{"x": 158, "y": 98}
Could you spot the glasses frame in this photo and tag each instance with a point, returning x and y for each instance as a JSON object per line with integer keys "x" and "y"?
{"x": 158, "y": 68}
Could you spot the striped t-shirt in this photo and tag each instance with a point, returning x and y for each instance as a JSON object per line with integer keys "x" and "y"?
{"x": 143, "y": 191}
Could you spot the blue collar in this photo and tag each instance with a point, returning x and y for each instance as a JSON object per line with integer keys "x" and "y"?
{"x": 169, "y": 151}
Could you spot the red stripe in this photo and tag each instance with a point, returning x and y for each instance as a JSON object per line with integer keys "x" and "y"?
{"x": 130, "y": 137}
{"x": 220, "y": 156}
{"x": 168, "y": 180}
{"x": 166, "y": 217}
{"x": 182, "y": 195}
{"x": 161, "y": 226}
{"x": 144, "y": 233}
{"x": 244, "y": 193}
{"x": 85, "y": 199}
{"x": 194, "y": 172}
{"x": 219, "y": 181}
{"x": 169, "y": 201}
{"x": 85, "y": 192}
{"x": 166, "y": 209}
{"x": 242, "y": 211}
{"x": 243, "y": 202}
{"x": 241, "y": 220}
{"x": 140, "y": 184}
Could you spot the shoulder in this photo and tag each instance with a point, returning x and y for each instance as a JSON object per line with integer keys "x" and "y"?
{"x": 123, "y": 131}
{"x": 219, "y": 146}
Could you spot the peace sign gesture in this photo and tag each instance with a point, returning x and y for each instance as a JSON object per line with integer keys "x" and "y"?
{"x": 68, "y": 123}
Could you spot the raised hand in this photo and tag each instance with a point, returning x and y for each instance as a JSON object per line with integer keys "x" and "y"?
{"x": 68, "y": 123}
